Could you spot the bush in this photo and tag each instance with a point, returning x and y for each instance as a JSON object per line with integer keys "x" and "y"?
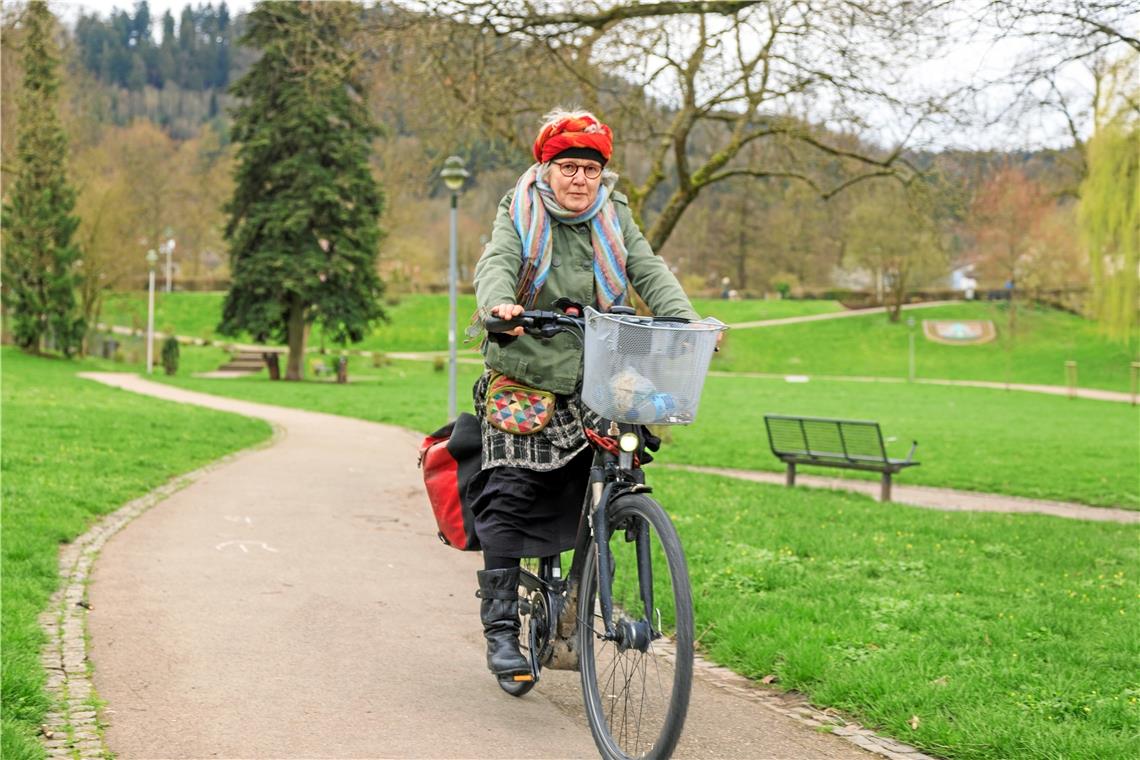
{"x": 786, "y": 284}
{"x": 696, "y": 285}
{"x": 170, "y": 355}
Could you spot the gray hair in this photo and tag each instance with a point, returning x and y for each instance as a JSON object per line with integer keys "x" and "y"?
{"x": 558, "y": 113}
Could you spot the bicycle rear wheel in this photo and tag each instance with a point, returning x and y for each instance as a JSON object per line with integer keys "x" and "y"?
{"x": 637, "y": 687}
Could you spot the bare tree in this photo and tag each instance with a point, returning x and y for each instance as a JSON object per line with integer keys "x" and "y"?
{"x": 693, "y": 85}
{"x": 1068, "y": 48}
{"x": 894, "y": 235}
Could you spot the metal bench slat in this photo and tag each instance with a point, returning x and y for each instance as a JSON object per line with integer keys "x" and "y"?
{"x": 826, "y": 442}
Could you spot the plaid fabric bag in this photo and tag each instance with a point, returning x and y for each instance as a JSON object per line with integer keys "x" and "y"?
{"x": 515, "y": 408}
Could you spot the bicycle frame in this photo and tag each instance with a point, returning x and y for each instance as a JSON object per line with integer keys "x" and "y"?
{"x": 562, "y": 629}
{"x": 611, "y": 476}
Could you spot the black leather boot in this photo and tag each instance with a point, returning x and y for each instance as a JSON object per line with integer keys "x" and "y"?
{"x": 499, "y": 610}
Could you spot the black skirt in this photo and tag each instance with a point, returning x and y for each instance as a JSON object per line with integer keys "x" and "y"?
{"x": 526, "y": 513}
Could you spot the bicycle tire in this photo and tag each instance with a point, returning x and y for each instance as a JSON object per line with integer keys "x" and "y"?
{"x": 636, "y": 701}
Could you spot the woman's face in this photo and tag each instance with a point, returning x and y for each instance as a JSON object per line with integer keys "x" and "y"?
{"x": 575, "y": 193}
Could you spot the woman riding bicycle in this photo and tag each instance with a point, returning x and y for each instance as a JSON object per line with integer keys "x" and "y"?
{"x": 562, "y": 236}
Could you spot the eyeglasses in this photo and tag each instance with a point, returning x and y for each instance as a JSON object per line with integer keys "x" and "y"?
{"x": 569, "y": 169}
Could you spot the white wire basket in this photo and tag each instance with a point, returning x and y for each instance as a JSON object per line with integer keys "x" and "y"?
{"x": 644, "y": 371}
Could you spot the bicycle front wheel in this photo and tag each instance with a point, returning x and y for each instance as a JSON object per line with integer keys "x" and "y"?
{"x": 636, "y": 684}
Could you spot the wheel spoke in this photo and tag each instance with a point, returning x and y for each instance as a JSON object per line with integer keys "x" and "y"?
{"x": 636, "y": 699}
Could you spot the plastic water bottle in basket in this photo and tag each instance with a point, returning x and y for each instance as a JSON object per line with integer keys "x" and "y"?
{"x": 644, "y": 370}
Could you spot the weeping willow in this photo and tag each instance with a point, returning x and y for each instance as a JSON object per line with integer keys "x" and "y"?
{"x": 1110, "y": 221}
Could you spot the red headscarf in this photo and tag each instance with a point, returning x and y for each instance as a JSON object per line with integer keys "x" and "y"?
{"x": 573, "y": 132}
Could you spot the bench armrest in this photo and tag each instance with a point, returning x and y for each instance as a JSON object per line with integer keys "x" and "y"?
{"x": 910, "y": 454}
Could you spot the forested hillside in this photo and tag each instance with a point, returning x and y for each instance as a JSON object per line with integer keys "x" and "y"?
{"x": 175, "y": 73}
{"x": 122, "y": 51}
{"x": 148, "y": 116}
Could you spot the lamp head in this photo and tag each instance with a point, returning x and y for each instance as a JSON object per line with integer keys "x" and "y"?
{"x": 453, "y": 173}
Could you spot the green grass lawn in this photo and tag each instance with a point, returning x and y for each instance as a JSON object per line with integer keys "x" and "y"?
{"x": 1006, "y": 636}
{"x": 1024, "y": 444}
{"x": 872, "y": 346}
{"x": 195, "y": 314}
{"x": 1016, "y": 443}
{"x": 417, "y": 322}
{"x": 731, "y": 312}
{"x": 74, "y": 450}
{"x": 869, "y": 345}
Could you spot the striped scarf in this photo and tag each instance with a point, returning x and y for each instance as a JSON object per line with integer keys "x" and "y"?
{"x": 532, "y": 221}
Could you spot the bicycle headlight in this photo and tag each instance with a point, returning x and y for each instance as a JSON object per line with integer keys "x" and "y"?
{"x": 629, "y": 442}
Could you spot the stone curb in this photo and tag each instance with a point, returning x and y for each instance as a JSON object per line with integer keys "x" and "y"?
{"x": 73, "y": 729}
{"x": 795, "y": 706}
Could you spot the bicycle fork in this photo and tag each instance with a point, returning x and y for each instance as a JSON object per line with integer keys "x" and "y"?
{"x": 628, "y": 633}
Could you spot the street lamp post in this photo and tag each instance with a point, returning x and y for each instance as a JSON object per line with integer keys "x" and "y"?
{"x": 151, "y": 260}
{"x": 453, "y": 175}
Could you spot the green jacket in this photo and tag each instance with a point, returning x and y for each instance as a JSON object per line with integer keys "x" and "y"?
{"x": 556, "y": 364}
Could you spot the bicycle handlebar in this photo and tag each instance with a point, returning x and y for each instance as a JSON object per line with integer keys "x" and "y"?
{"x": 547, "y": 323}
{"x": 535, "y": 323}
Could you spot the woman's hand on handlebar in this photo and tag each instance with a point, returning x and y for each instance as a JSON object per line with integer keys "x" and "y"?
{"x": 508, "y": 311}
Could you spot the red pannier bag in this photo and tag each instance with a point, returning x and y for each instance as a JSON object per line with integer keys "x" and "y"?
{"x": 451, "y": 459}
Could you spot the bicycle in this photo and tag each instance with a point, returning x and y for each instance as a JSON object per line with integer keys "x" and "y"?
{"x": 623, "y": 616}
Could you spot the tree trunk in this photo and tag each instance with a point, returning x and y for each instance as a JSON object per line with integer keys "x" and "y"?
{"x": 670, "y": 215}
{"x": 273, "y": 364}
{"x": 742, "y": 245}
{"x": 298, "y": 335}
{"x": 894, "y": 307}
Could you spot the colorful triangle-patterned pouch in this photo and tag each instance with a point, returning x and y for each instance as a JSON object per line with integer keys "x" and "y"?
{"x": 515, "y": 408}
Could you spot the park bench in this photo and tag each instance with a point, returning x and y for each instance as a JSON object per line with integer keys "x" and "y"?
{"x": 850, "y": 444}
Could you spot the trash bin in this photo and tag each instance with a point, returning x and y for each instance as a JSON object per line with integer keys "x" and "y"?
{"x": 110, "y": 345}
{"x": 342, "y": 369}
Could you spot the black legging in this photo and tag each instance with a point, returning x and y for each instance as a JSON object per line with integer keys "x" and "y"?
{"x": 496, "y": 562}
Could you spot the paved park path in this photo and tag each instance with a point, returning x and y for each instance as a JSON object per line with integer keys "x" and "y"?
{"x": 838, "y": 314}
{"x": 928, "y": 497}
{"x": 293, "y": 601}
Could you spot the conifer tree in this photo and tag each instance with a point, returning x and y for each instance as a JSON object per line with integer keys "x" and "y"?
{"x": 304, "y": 219}
{"x": 39, "y": 270}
